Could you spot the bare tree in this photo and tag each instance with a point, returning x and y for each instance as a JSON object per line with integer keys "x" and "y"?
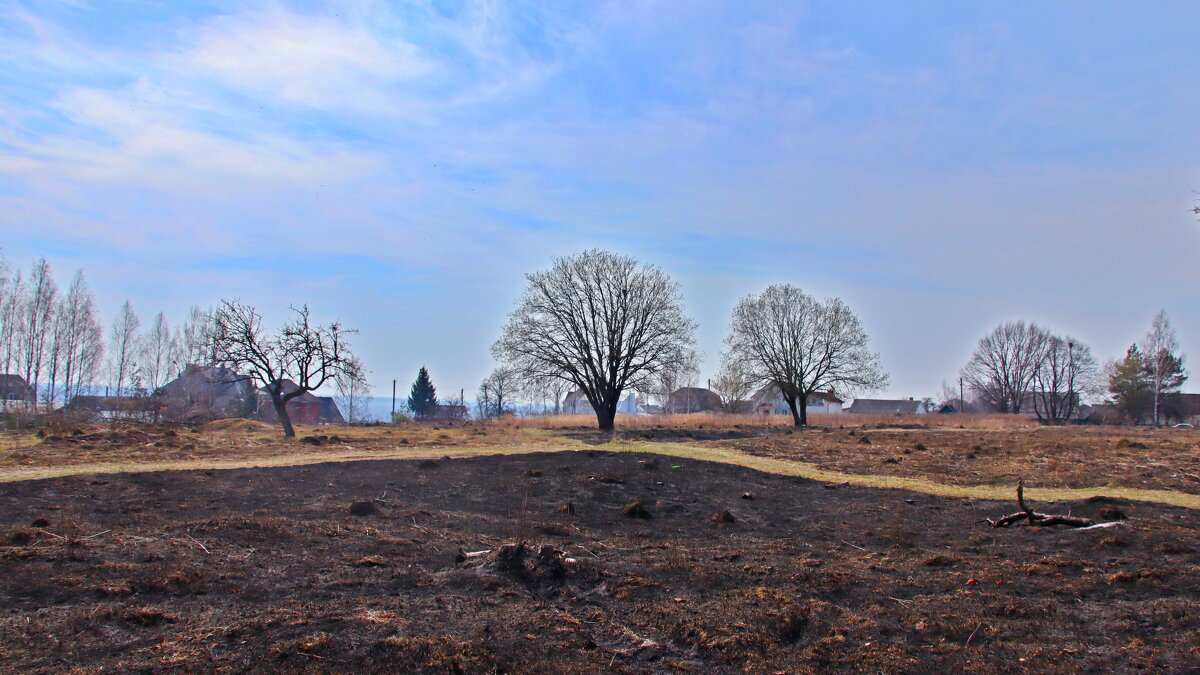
{"x": 1164, "y": 368}
{"x": 496, "y": 392}
{"x": 11, "y": 291}
{"x": 123, "y": 340}
{"x": 195, "y": 337}
{"x": 158, "y": 354}
{"x": 540, "y": 389}
{"x": 734, "y": 383}
{"x": 76, "y": 342}
{"x": 1067, "y": 371}
{"x": 36, "y": 321}
{"x": 1005, "y": 362}
{"x": 601, "y": 321}
{"x": 307, "y": 355}
{"x": 670, "y": 380}
{"x": 787, "y": 338}
{"x": 353, "y": 392}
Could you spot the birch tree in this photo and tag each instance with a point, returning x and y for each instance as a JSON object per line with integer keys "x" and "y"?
{"x": 36, "y": 320}
{"x": 10, "y": 291}
{"x": 158, "y": 352}
{"x": 786, "y": 338}
{"x": 195, "y": 337}
{"x": 123, "y": 344}
{"x": 1164, "y": 368}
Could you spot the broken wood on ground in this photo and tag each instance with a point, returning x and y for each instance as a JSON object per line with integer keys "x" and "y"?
{"x": 1035, "y": 518}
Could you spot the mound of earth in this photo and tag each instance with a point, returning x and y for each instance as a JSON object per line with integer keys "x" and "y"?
{"x": 236, "y": 424}
{"x": 526, "y": 563}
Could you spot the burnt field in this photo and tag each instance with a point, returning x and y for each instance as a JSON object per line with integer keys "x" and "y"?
{"x": 400, "y": 566}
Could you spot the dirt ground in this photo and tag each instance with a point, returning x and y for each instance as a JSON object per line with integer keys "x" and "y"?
{"x": 718, "y": 569}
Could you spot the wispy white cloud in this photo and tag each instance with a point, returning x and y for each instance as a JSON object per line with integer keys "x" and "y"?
{"x": 459, "y": 146}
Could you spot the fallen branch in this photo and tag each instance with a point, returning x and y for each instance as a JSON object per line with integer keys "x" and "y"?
{"x": 1035, "y": 518}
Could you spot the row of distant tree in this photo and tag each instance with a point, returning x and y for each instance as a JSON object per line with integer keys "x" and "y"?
{"x": 1024, "y": 367}
{"x": 605, "y": 324}
{"x": 55, "y": 341}
{"x": 596, "y": 322}
{"x": 54, "y": 338}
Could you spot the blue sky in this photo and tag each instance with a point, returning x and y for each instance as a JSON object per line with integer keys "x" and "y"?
{"x": 942, "y": 167}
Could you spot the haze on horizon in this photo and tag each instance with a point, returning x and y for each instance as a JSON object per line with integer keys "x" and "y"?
{"x": 401, "y": 165}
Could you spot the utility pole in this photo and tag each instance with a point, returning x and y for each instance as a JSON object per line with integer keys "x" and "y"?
{"x": 393, "y": 400}
{"x": 962, "y": 405}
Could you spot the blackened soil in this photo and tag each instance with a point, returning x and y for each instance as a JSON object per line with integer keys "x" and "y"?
{"x": 255, "y": 570}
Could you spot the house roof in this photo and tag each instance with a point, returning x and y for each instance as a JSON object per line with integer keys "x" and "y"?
{"x": 210, "y": 380}
{"x": 1099, "y": 412}
{"x": 694, "y": 396}
{"x": 329, "y": 411}
{"x": 771, "y": 391}
{"x": 1184, "y": 404}
{"x": 111, "y": 403}
{"x": 881, "y": 406}
{"x": 9, "y": 380}
{"x": 290, "y": 386}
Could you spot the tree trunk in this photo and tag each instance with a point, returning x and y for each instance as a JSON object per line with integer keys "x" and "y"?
{"x": 798, "y": 415}
{"x": 282, "y": 413}
{"x": 606, "y": 415}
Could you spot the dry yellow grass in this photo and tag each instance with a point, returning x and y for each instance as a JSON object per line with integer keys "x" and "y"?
{"x": 694, "y": 420}
{"x": 1129, "y": 475}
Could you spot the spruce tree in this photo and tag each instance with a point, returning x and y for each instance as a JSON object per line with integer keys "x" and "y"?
{"x": 1130, "y": 388}
{"x": 422, "y": 398}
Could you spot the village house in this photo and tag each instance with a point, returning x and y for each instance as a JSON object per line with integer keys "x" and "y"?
{"x": 207, "y": 392}
{"x": 577, "y": 404}
{"x": 98, "y": 408}
{"x": 879, "y": 406}
{"x": 306, "y": 408}
{"x": 14, "y": 388}
{"x": 693, "y": 400}
{"x": 770, "y": 401}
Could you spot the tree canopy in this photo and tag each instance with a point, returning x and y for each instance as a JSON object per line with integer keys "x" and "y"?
{"x": 604, "y": 322}
{"x": 422, "y": 397}
{"x": 802, "y": 345}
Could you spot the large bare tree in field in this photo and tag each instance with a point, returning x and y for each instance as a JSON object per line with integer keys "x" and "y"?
{"x": 787, "y": 338}
{"x": 604, "y": 322}
{"x": 308, "y": 355}
{"x": 1067, "y": 371}
{"x": 1005, "y": 363}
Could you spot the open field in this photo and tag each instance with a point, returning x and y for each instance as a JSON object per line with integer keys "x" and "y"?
{"x": 265, "y": 569}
